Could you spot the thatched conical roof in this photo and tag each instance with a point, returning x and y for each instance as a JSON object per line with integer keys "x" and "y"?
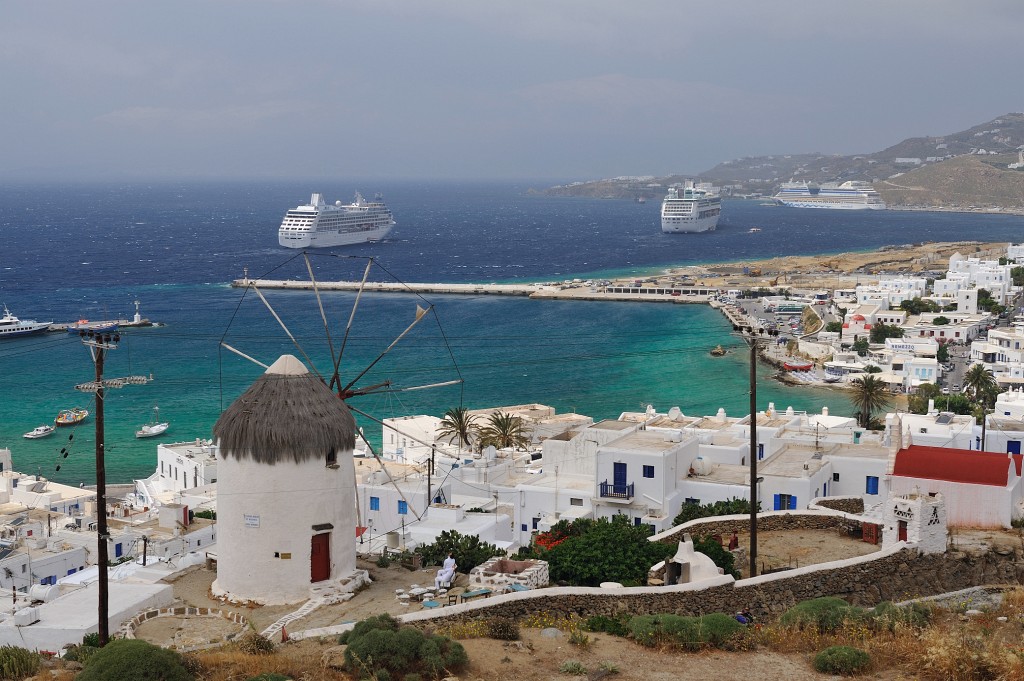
{"x": 288, "y": 414}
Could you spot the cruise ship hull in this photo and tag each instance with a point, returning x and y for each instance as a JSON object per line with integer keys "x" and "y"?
{"x": 831, "y": 206}
{"x": 329, "y": 239}
{"x": 669, "y": 226}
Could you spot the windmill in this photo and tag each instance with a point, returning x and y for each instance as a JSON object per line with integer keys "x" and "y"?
{"x": 349, "y": 383}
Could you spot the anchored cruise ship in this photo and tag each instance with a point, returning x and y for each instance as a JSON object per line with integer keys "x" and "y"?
{"x": 845, "y": 196}
{"x": 695, "y": 209}
{"x": 319, "y": 225}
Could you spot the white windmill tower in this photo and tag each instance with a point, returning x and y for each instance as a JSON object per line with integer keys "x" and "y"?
{"x": 287, "y": 518}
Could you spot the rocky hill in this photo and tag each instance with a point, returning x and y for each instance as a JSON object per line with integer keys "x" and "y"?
{"x": 959, "y": 170}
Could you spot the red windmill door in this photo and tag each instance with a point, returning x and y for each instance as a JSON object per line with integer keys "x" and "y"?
{"x": 320, "y": 558}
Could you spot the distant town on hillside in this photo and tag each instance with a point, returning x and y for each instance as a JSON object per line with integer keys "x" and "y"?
{"x": 976, "y": 169}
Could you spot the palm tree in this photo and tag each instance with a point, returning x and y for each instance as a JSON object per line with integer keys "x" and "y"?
{"x": 458, "y": 426}
{"x": 503, "y": 430}
{"x": 980, "y": 384}
{"x": 869, "y": 396}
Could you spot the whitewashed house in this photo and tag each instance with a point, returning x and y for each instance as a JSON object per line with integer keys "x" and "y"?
{"x": 980, "y": 489}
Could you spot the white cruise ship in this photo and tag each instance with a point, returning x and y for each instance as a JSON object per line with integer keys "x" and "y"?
{"x": 320, "y": 225}
{"x": 12, "y": 326}
{"x": 845, "y": 196}
{"x": 695, "y": 209}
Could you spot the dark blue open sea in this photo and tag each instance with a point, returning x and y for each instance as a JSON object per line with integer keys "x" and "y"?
{"x": 89, "y": 250}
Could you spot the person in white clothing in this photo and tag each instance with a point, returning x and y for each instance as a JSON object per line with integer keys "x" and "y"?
{"x": 447, "y": 572}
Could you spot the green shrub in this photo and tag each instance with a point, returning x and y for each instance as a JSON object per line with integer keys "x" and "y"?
{"x": 76, "y": 653}
{"x": 827, "y": 614}
{"x": 842, "y": 660}
{"x": 617, "y": 625}
{"x": 886, "y": 615}
{"x": 503, "y": 629}
{"x": 689, "y": 633}
{"x": 17, "y": 663}
{"x": 579, "y": 639}
{"x": 134, "y": 660}
{"x": 574, "y": 667}
{"x": 92, "y": 640}
{"x": 383, "y": 561}
{"x": 379, "y": 647}
{"x": 206, "y": 513}
{"x": 412, "y": 677}
{"x": 255, "y": 644}
{"x": 719, "y": 630}
{"x": 270, "y": 676}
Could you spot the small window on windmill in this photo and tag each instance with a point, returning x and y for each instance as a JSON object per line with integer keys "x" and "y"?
{"x": 332, "y": 457}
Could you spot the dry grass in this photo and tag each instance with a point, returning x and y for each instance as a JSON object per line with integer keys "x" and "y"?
{"x": 952, "y": 646}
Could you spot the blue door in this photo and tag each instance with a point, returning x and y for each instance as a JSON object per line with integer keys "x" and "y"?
{"x": 1013, "y": 447}
{"x": 117, "y": 550}
{"x": 619, "y": 478}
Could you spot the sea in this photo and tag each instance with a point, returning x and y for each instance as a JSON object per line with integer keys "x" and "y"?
{"x": 90, "y": 250}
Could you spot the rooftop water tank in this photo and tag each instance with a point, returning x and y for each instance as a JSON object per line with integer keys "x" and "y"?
{"x": 43, "y": 592}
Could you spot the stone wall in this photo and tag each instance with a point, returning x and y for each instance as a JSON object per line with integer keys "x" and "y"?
{"x": 129, "y": 627}
{"x": 865, "y": 581}
{"x": 854, "y": 505}
{"x": 766, "y": 522}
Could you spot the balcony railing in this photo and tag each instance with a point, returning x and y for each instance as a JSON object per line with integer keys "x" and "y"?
{"x": 613, "y": 491}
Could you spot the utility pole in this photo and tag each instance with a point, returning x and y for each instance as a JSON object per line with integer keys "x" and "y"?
{"x": 753, "y": 457}
{"x": 98, "y": 345}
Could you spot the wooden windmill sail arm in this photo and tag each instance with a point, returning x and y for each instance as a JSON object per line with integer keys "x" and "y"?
{"x": 420, "y": 314}
{"x": 335, "y": 378}
{"x": 279, "y": 321}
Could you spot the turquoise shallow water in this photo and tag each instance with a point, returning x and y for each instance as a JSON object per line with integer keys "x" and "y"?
{"x": 89, "y": 250}
{"x": 594, "y": 358}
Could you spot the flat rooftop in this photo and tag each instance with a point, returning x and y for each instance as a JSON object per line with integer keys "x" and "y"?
{"x": 790, "y": 460}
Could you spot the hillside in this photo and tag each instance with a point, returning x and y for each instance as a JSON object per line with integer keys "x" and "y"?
{"x": 955, "y": 171}
{"x": 965, "y": 182}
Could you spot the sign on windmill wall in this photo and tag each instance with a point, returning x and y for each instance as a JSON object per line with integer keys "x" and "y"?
{"x": 252, "y": 520}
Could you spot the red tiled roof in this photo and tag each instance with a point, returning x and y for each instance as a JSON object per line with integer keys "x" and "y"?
{"x": 954, "y": 465}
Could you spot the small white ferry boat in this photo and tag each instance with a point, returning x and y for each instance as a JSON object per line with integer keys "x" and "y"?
{"x": 157, "y": 427}
{"x": 40, "y": 431}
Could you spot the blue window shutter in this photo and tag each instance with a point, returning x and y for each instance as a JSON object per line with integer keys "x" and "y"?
{"x": 760, "y": 451}
{"x": 824, "y": 489}
{"x": 778, "y": 502}
{"x": 374, "y": 503}
{"x": 403, "y": 507}
{"x": 525, "y": 529}
{"x": 792, "y": 502}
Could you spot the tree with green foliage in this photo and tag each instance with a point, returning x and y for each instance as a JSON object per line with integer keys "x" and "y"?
{"x": 917, "y": 306}
{"x": 940, "y": 321}
{"x": 834, "y": 327}
{"x": 942, "y": 354}
{"x": 734, "y": 506}
{"x": 860, "y": 346}
{"x": 879, "y": 332}
{"x": 1017, "y": 275}
{"x": 981, "y": 386}
{"x": 134, "y": 660}
{"x": 503, "y": 430}
{"x": 467, "y": 550}
{"x": 869, "y": 395}
{"x": 713, "y": 549}
{"x": 458, "y": 426}
{"x": 587, "y": 552}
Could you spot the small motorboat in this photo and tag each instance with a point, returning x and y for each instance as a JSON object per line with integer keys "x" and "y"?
{"x": 157, "y": 427}
{"x": 40, "y": 431}
{"x": 71, "y": 417}
{"x": 95, "y": 327}
{"x": 797, "y": 365}
{"x": 754, "y": 230}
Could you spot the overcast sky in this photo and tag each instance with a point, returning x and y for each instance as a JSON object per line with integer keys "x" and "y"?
{"x": 573, "y": 89}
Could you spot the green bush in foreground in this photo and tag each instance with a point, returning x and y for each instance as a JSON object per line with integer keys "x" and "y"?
{"x": 134, "y": 660}
{"x": 827, "y": 614}
{"x": 886, "y": 615}
{"x": 842, "y": 660}
{"x": 690, "y": 633}
{"x": 17, "y": 663}
{"x": 379, "y": 647}
{"x": 617, "y": 625}
{"x": 270, "y": 677}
